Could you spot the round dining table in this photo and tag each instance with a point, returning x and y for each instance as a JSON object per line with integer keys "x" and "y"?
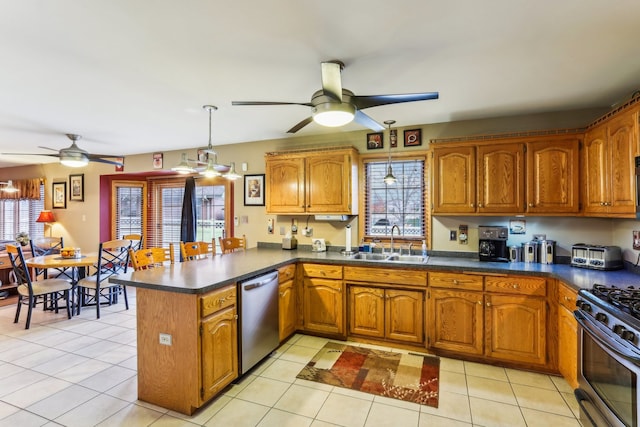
{"x": 78, "y": 265}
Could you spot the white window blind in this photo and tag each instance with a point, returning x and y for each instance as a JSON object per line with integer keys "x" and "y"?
{"x": 21, "y": 215}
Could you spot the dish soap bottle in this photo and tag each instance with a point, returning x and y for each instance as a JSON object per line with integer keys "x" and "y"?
{"x": 424, "y": 249}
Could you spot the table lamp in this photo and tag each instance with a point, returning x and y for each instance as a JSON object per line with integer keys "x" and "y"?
{"x": 46, "y": 216}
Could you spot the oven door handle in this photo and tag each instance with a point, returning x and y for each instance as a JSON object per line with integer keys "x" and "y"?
{"x": 604, "y": 337}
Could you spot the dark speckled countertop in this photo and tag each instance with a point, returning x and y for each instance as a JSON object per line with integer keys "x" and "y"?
{"x": 205, "y": 275}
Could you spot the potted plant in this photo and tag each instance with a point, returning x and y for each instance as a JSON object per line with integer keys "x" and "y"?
{"x": 23, "y": 238}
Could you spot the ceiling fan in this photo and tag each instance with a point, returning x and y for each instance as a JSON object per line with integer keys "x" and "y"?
{"x": 73, "y": 155}
{"x": 335, "y": 106}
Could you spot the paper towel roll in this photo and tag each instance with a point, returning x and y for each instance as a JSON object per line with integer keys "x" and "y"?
{"x": 348, "y": 239}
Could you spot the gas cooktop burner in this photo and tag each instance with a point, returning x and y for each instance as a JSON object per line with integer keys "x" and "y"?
{"x": 626, "y": 298}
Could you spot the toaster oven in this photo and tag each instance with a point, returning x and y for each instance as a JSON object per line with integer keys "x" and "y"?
{"x": 596, "y": 257}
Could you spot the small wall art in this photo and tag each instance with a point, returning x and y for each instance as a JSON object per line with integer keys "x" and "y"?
{"x": 412, "y": 137}
{"x": 375, "y": 141}
{"x": 157, "y": 160}
{"x": 76, "y": 187}
{"x": 120, "y": 167}
{"x": 254, "y": 190}
{"x": 59, "y": 195}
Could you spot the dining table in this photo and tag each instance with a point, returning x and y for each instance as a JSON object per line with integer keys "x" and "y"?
{"x": 77, "y": 265}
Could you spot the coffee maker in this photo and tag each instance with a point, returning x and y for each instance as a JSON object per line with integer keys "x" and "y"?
{"x": 493, "y": 243}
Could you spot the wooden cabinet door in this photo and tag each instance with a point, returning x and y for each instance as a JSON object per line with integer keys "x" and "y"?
{"x": 500, "y": 178}
{"x": 366, "y": 308}
{"x": 623, "y": 145}
{"x": 552, "y": 176}
{"x": 286, "y": 309}
{"x": 323, "y": 306}
{"x": 515, "y": 328}
{"x": 454, "y": 180}
{"x": 284, "y": 192}
{"x": 568, "y": 346}
{"x": 219, "y": 351}
{"x": 328, "y": 184}
{"x": 596, "y": 170}
{"x": 455, "y": 321}
{"x": 404, "y": 315}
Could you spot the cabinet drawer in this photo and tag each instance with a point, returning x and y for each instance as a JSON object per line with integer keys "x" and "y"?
{"x": 470, "y": 282}
{"x": 516, "y": 285}
{"x": 218, "y": 300}
{"x": 287, "y": 272}
{"x": 386, "y": 275}
{"x": 322, "y": 271}
{"x": 567, "y": 297}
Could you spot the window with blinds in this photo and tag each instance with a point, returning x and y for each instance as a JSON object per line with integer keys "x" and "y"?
{"x": 129, "y": 208}
{"x": 20, "y": 215}
{"x": 400, "y": 204}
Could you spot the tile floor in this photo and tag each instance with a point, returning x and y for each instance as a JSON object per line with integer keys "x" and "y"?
{"x": 82, "y": 372}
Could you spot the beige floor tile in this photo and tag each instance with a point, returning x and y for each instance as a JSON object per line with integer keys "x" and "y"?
{"x": 264, "y": 364}
{"x": 6, "y": 410}
{"x": 10, "y": 384}
{"x": 489, "y": 413}
{"x": 23, "y": 418}
{"x": 453, "y": 382}
{"x": 130, "y": 363}
{"x": 344, "y": 411}
{"x": 238, "y": 413}
{"x": 381, "y": 415}
{"x": 485, "y": 371}
{"x": 278, "y": 351}
{"x": 59, "y": 364}
{"x": 118, "y": 354}
{"x": 451, "y": 365}
{"x": 561, "y": 384}
{"x": 544, "y": 419}
{"x": 450, "y": 405}
{"x": 299, "y": 354}
{"x": 428, "y": 420}
{"x": 167, "y": 420}
{"x": 205, "y": 413}
{"x": 318, "y": 423}
{"x": 132, "y": 415}
{"x": 78, "y": 343}
{"x": 107, "y": 378}
{"x": 278, "y": 418}
{"x": 35, "y": 359}
{"x": 283, "y": 370}
{"x": 19, "y": 350}
{"x": 127, "y": 390}
{"x": 240, "y": 385}
{"x": 310, "y": 341}
{"x": 37, "y": 391}
{"x": 489, "y": 389}
{"x": 58, "y": 338}
{"x": 313, "y": 384}
{"x": 9, "y": 369}
{"x": 264, "y": 391}
{"x": 530, "y": 378}
{"x": 571, "y": 401}
{"x": 97, "y": 349}
{"x": 397, "y": 403}
{"x": 63, "y": 401}
{"x": 92, "y": 412}
{"x": 541, "y": 400}
{"x": 353, "y": 393}
{"x": 302, "y": 401}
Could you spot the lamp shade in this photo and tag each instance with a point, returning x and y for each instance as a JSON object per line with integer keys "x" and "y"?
{"x": 46, "y": 216}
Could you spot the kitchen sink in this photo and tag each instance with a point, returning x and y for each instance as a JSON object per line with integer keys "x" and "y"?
{"x": 413, "y": 259}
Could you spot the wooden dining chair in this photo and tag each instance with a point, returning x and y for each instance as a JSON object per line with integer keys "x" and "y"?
{"x": 31, "y": 293}
{"x": 136, "y": 240}
{"x": 143, "y": 259}
{"x": 194, "y": 250}
{"x": 42, "y": 246}
{"x": 113, "y": 258}
{"x": 231, "y": 244}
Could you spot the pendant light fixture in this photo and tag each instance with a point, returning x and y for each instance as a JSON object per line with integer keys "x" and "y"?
{"x": 389, "y": 179}
{"x": 183, "y": 167}
{"x": 232, "y": 174}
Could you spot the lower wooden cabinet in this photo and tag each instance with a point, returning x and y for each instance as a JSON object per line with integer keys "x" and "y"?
{"x": 508, "y": 321}
{"x": 286, "y": 309}
{"x": 567, "y": 335}
{"x": 393, "y": 314}
{"x": 323, "y": 299}
{"x": 219, "y": 351}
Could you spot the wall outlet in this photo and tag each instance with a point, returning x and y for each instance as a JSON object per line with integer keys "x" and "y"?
{"x": 453, "y": 235}
{"x": 463, "y": 234}
{"x": 165, "y": 339}
{"x": 270, "y": 226}
{"x": 307, "y": 232}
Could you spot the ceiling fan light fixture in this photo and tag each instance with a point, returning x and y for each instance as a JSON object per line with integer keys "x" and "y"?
{"x": 183, "y": 167}
{"x": 75, "y": 160}
{"x": 333, "y": 114}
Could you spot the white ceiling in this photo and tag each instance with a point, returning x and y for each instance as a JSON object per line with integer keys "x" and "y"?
{"x": 131, "y": 76}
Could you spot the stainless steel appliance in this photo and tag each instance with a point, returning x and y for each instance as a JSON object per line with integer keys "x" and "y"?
{"x": 596, "y": 257}
{"x": 515, "y": 253}
{"x": 492, "y": 243}
{"x": 531, "y": 251}
{"x": 258, "y": 319}
{"x": 608, "y": 355}
{"x": 547, "y": 252}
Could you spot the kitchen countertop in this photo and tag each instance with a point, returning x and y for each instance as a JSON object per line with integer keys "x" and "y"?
{"x": 202, "y": 276}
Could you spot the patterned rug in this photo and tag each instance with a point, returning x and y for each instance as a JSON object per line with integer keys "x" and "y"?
{"x": 409, "y": 377}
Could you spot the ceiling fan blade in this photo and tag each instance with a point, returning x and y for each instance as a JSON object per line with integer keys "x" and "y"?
{"x": 30, "y": 154}
{"x": 375, "y": 100}
{"x": 93, "y": 158}
{"x": 300, "y": 125}
{"x": 331, "y": 80}
{"x": 367, "y": 121}
{"x": 47, "y": 148}
{"x": 269, "y": 103}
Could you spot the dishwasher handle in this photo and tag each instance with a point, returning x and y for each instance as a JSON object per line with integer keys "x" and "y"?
{"x": 260, "y": 281}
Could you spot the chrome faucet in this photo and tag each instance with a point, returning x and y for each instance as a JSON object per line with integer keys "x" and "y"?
{"x": 395, "y": 226}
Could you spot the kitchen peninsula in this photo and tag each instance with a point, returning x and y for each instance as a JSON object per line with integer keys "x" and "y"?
{"x": 187, "y": 316}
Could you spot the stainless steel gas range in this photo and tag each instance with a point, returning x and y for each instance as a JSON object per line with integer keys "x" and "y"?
{"x": 608, "y": 355}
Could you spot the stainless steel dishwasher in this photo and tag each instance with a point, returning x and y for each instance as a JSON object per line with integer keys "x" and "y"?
{"x": 258, "y": 319}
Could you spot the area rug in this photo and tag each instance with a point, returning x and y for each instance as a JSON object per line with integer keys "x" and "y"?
{"x": 403, "y": 376}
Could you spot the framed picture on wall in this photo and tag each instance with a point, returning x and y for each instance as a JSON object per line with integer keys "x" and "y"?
{"x": 59, "y": 195}
{"x": 374, "y": 141}
{"x": 76, "y": 187}
{"x": 412, "y": 137}
{"x": 254, "y": 190}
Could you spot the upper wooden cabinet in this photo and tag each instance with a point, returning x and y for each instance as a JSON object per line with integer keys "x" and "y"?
{"x": 609, "y": 151}
{"x": 508, "y": 176}
{"x": 312, "y": 182}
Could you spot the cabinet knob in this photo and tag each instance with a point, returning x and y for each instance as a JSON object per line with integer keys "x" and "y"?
{"x": 281, "y": 294}
{"x": 602, "y": 204}
{"x": 480, "y": 205}
{"x": 455, "y": 281}
{"x": 472, "y": 205}
{"x": 488, "y": 304}
{"x": 339, "y": 289}
{"x": 530, "y": 205}
{"x": 479, "y": 302}
{"x": 515, "y": 286}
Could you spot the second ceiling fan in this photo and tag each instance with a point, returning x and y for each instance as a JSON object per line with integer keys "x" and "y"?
{"x": 335, "y": 106}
